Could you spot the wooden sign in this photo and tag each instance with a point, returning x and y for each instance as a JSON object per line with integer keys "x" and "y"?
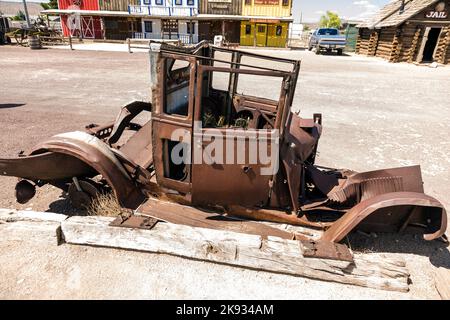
{"x": 439, "y": 12}
{"x": 264, "y": 21}
{"x": 267, "y": 2}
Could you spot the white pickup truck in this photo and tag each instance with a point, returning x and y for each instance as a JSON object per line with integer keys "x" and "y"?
{"x": 327, "y": 39}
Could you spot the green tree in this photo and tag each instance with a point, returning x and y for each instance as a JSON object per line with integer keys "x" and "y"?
{"x": 330, "y": 20}
{"x": 52, "y": 4}
{"x": 20, "y": 16}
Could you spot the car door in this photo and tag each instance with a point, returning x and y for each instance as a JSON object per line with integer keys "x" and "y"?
{"x": 173, "y": 101}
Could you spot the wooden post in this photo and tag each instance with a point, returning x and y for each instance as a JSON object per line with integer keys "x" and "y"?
{"x": 191, "y": 31}
{"x": 129, "y": 45}
{"x": 223, "y": 29}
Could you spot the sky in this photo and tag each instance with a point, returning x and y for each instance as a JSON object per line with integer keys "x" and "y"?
{"x": 311, "y": 10}
{"x": 348, "y": 9}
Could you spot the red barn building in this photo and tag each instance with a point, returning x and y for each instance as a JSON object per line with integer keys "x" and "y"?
{"x": 76, "y": 25}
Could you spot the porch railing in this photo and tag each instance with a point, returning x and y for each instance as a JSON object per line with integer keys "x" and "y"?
{"x": 179, "y": 11}
{"x": 183, "y": 37}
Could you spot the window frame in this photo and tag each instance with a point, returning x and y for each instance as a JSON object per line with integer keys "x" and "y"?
{"x": 190, "y": 27}
{"x": 178, "y": 2}
{"x": 248, "y": 29}
{"x": 280, "y": 28}
{"x": 145, "y": 26}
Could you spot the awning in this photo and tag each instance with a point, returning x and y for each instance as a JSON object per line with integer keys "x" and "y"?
{"x": 105, "y": 13}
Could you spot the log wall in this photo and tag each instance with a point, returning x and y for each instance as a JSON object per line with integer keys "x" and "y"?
{"x": 363, "y": 41}
{"x": 411, "y": 37}
{"x": 401, "y": 44}
{"x": 443, "y": 45}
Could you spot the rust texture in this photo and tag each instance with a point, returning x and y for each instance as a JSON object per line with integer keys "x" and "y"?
{"x": 134, "y": 161}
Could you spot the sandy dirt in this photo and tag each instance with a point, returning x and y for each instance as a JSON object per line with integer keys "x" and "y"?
{"x": 376, "y": 115}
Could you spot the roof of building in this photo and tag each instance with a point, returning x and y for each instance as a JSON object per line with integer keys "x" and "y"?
{"x": 390, "y": 14}
{"x": 10, "y": 9}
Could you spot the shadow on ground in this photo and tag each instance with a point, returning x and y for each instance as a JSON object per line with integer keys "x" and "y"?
{"x": 333, "y": 54}
{"x": 436, "y": 250}
{"x": 63, "y": 206}
{"x": 11, "y": 105}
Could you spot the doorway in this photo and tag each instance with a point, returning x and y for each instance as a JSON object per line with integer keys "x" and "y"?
{"x": 261, "y": 35}
{"x": 87, "y": 27}
{"x": 429, "y": 49}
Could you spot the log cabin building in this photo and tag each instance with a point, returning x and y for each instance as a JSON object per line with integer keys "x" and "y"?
{"x": 414, "y": 31}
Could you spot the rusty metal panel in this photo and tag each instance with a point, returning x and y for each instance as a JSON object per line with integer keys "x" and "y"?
{"x": 326, "y": 250}
{"x": 234, "y": 183}
{"x": 134, "y": 222}
{"x": 390, "y": 212}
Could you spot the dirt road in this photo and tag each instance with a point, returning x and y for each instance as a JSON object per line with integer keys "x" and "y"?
{"x": 376, "y": 115}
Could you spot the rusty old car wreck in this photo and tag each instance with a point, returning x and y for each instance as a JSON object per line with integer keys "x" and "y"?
{"x": 133, "y": 161}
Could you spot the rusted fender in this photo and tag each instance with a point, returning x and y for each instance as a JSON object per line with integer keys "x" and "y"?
{"x": 414, "y": 208}
{"x": 47, "y": 166}
{"x": 99, "y": 156}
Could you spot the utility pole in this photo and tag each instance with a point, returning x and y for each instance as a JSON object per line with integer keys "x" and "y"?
{"x": 27, "y": 17}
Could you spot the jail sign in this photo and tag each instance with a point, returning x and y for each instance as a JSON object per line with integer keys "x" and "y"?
{"x": 439, "y": 12}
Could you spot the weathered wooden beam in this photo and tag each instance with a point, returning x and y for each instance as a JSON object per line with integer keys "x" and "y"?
{"x": 242, "y": 250}
{"x": 22, "y": 225}
{"x": 442, "y": 282}
{"x": 12, "y": 215}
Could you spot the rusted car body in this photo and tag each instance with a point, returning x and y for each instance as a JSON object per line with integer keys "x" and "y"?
{"x": 140, "y": 168}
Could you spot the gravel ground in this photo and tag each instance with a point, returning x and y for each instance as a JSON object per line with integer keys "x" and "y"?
{"x": 376, "y": 115}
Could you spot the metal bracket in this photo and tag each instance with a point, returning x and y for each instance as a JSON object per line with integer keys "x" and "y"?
{"x": 326, "y": 250}
{"x": 135, "y": 222}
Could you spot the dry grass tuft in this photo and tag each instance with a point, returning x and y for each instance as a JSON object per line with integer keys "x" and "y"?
{"x": 105, "y": 204}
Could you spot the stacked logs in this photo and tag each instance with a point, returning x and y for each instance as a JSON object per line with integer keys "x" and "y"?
{"x": 363, "y": 41}
{"x": 386, "y": 43}
{"x": 397, "y": 46}
{"x": 443, "y": 45}
{"x": 413, "y": 34}
{"x": 373, "y": 44}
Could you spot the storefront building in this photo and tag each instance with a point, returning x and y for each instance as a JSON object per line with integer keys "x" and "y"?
{"x": 122, "y": 19}
{"x": 415, "y": 31}
{"x": 245, "y": 22}
{"x": 268, "y": 24}
{"x": 220, "y": 17}
{"x": 86, "y": 26}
